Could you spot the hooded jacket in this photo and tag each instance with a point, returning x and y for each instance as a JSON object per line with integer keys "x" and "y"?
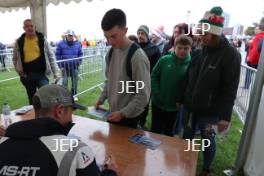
{"x": 153, "y": 53}
{"x": 166, "y": 80}
{"x": 212, "y": 81}
{"x": 31, "y": 147}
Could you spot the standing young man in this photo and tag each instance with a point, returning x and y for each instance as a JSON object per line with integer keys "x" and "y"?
{"x": 33, "y": 59}
{"x": 153, "y": 53}
{"x": 126, "y": 107}
{"x": 212, "y": 83}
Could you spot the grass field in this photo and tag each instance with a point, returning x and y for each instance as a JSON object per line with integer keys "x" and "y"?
{"x": 14, "y": 93}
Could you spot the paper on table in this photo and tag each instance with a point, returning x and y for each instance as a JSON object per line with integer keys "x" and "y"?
{"x": 24, "y": 110}
{"x": 146, "y": 141}
{"x": 99, "y": 113}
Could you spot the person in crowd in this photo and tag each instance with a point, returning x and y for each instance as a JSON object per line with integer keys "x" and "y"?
{"x": 34, "y": 59}
{"x": 126, "y": 106}
{"x": 253, "y": 54}
{"x": 211, "y": 85}
{"x": 36, "y": 139}
{"x": 166, "y": 80}
{"x": 153, "y": 54}
{"x": 179, "y": 29}
{"x": 157, "y": 38}
{"x": 85, "y": 43}
{"x": 68, "y": 53}
{"x": 2, "y": 56}
{"x": 133, "y": 38}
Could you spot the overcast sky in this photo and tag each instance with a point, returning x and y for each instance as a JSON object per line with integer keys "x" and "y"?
{"x": 85, "y": 18}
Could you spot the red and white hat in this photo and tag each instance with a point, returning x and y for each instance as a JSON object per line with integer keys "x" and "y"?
{"x": 215, "y": 19}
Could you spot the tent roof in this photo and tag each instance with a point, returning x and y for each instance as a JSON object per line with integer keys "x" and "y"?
{"x": 9, "y": 5}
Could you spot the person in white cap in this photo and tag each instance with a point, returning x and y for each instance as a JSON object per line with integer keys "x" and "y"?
{"x": 68, "y": 53}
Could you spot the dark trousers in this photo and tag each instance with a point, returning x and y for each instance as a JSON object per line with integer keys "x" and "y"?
{"x": 32, "y": 81}
{"x": 73, "y": 73}
{"x": 163, "y": 122}
{"x": 207, "y": 132}
{"x": 143, "y": 117}
{"x": 180, "y": 121}
{"x": 2, "y": 60}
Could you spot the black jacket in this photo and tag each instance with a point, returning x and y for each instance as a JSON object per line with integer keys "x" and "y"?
{"x": 212, "y": 81}
{"x": 28, "y": 146}
{"x": 153, "y": 53}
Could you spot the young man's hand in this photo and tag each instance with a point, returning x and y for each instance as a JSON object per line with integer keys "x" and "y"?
{"x": 98, "y": 104}
{"x": 115, "y": 116}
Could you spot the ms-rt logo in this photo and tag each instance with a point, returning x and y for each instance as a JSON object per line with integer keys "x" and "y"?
{"x": 197, "y": 144}
{"x": 19, "y": 171}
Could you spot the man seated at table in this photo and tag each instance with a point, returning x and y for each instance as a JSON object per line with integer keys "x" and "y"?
{"x": 31, "y": 147}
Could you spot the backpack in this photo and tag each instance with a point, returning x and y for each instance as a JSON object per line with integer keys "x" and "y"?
{"x": 130, "y": 53}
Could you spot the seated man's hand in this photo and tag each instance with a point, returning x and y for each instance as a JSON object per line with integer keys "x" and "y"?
{"x": 115, "y": 116}
{"x": 2, "y": 131}
{"x": 110, "y": 163}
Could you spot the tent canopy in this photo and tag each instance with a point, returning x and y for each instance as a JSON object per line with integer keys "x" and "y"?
{"x": 37, "y": 9}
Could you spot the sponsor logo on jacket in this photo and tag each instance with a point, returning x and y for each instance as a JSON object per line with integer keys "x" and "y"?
{"x": 18, "y": 171}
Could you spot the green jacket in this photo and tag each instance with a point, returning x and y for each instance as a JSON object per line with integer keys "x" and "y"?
{"x": 166, "y": 81}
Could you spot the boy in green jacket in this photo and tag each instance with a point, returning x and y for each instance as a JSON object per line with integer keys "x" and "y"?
{"x": 166, "y": 81}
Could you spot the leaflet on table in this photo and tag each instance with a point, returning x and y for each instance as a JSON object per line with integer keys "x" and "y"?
{"x": 99, "y": 113}
{"x": 24, "y": 110}
{"x": 146, "y": 141}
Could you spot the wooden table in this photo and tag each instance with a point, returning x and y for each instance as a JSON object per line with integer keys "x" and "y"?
{"x": 169, "y": 159}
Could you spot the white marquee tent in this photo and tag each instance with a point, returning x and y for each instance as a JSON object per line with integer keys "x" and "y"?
{"x": 37, "y": 9}
{"x": 250, "y": 156}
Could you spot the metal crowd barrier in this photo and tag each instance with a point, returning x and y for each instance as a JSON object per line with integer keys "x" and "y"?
{"x": 247, "y": 78}
{"x": 84, "y": 73}
{"x": 90, "y": 69}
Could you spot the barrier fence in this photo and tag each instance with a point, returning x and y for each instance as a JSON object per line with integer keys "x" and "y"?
{"x": 247, "y": 78}
{"x": 87, "y": 73}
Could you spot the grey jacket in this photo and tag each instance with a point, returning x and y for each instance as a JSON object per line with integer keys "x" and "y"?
{"x": 51, "y": 65}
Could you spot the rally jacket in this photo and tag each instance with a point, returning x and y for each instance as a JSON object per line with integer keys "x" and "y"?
{"x": 212, "y": 81}
{"x": 31, "y": 147}
{"x": 45, "y": 51}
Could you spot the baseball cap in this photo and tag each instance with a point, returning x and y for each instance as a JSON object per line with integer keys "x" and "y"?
{"x": 70, "y": 32}
{"x": 50, "y": 95}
